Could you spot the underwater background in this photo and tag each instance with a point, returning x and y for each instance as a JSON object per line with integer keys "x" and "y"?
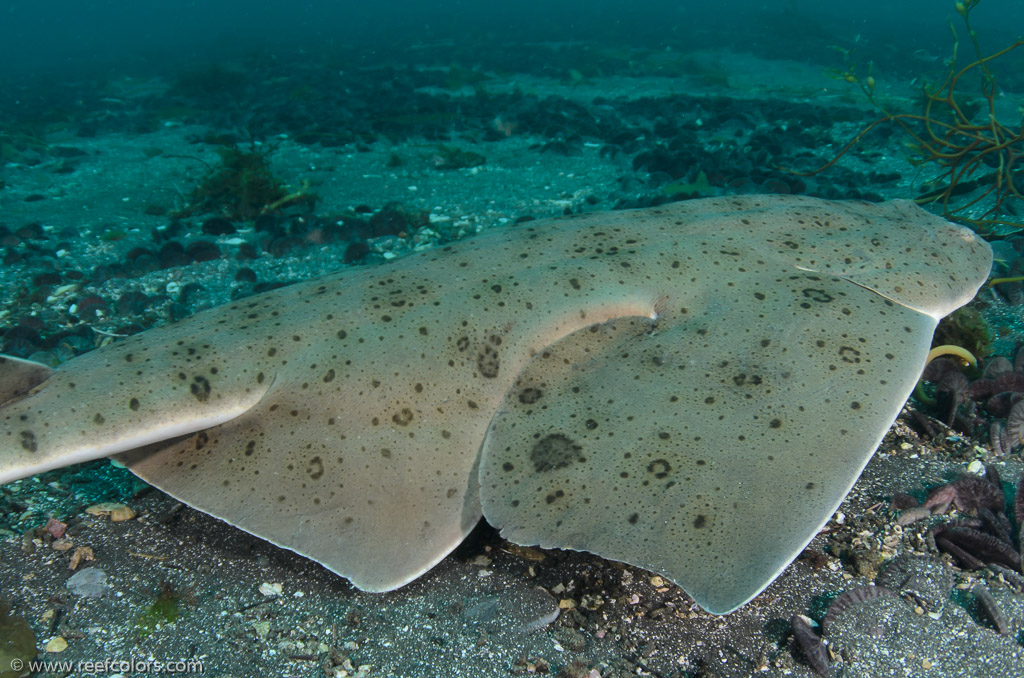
{"x": 71, "y": 38}
{"x": 157, "y": 159}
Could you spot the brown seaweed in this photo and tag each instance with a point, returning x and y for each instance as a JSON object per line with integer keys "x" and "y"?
{"x": 1018, "y": 502}
{"x": 999, "y": 439}
{"x": 855, "y": 596}
{"x": 965, "y": 559}
{"x": 974, "y": 548}
{"x": 811, "y": 645}
{"x": 990, "y": 608}
{"x": 968, "y": 493}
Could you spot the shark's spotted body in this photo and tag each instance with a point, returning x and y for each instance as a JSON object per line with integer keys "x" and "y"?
{"x": 691, "y": 388}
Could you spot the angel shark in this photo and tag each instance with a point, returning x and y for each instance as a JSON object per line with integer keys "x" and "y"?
{"x": 691, "y": 388}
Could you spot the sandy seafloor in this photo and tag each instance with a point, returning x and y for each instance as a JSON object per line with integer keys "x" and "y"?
{"x": 489, "y": 609}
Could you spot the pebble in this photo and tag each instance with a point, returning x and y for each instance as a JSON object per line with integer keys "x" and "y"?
{"x": 82, "y": 554}
{"x": 202, "y": 250}
{"x": 118, "y": 512}
{"x": 56, "y": 528}
{"x": 56, "y": 644}
{"x": 271, "y": 590}
{"x": 110, "y": 508}
{"x": 121, "y": 514}
{"x": 89, "y": 583}
{"x": 245, "y": 275}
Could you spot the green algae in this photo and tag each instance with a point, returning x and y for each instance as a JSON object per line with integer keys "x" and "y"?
{"x": 967, "y": 328}
{"x": 698, "y": 187}
{"x": 166, "y": 609}
{"x": 241, "y": 186}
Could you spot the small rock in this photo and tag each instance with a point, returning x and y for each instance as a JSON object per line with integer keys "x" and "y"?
{"x": 56, "y": 644}
{"x": 271, "y": 590}
{"x": 202, "y": 250}
{"x": 89, "y": 583}
{"x": 82, "y": 554}
{"x": 121, "y": 514}
{"x": 107, "y": 508}
{"x": 56, "y": 528}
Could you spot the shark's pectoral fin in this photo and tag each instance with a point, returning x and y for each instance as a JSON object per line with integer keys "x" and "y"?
{"x": 709, "y": 448}
{"x": 326, "y": 492}
{"x": 18, "y": 377}
{"x": 86, "y": 410}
